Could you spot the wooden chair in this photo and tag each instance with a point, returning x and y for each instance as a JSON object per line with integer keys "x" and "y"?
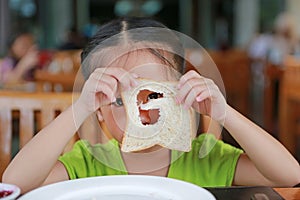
{"x": 234, "y": 67}
{"x": 273, "y": 77}
{"x": 61, "y": 72}
{"x": 31, "y": 112}
{"x": 289, "y": 107}
{"x": 58, "y": 82}
{"x": 64, "y": 61}
{"x": 230, "y": 70}
{"x": 200, "y": 61}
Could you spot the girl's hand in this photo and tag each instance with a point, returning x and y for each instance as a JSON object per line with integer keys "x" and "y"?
{"x": 101, "y": 88}
{"x": 203, "y": 94}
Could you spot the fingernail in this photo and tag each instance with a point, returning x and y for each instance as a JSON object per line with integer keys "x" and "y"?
{"x": 198, "y": 99}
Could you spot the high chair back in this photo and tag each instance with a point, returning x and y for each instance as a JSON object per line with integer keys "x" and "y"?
{"x": 234, "y": 67}
{"x": 197, "y": 60}
{"x": 289, "y": 107}
{"x": 273, "y": 75}
{"x": 60, "y": 73}
{"x": 24, "y": 114}
{"x": 57, "y": 82}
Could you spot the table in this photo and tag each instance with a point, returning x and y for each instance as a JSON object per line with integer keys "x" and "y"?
{"x": 248, "y": 192}
{"x": 28, "y": 86}
{"x": 65, "y": 80}
{"x": 289, "y": 193}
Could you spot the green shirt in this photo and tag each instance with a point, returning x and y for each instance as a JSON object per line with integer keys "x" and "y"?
{"x": 210, "y": 163}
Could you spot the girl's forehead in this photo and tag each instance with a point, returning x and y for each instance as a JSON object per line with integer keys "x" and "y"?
{"x": 113, "y": 57}
{"x": 134, "y": 59}
{"x": 144, "y": 64}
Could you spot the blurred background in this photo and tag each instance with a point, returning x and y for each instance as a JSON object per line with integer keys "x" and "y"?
{"x": 213, "y": 23}
{"x": 254, "y": 43}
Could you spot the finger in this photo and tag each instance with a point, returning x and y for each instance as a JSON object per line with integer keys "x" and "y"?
{"x": 212, "y": 90}
{"x": 191, "y": 96}
{"x": 198, "y": 91}
{"x": 187, "y": 87}
{"x": 126, "y": 79}
{"x": 105, "y": 79}
{"x": 106, "y": 84}
{"x": 107, "y": 91}
{"x": 189, "y": 75}
{"x": 205, "y": 94}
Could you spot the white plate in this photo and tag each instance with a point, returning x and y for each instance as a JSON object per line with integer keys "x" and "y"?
{"x": 9, "y": 187}
{"x": 123, "y": 187}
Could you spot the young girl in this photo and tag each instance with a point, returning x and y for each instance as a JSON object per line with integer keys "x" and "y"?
{"x": 113, "y": 65}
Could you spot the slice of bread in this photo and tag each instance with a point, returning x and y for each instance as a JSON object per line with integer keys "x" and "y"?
{"x": 174, "y": 128}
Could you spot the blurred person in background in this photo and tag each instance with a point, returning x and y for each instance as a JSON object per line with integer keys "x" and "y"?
{"x": 276, "y": 46}
{"x": 258, "y": 49}
{"x": 21, "y": 60}
{"x": 284, "y": 41}
{"x": 271, "y": 48}
{"x": 258, "y": 52}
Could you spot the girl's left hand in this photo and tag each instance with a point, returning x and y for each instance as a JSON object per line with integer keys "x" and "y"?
{"x": 202, "y": 94}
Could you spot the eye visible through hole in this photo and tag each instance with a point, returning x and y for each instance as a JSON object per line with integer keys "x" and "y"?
{"x": 118, "y": 102}
{"x": 145, "y": 95}
{"x": 148, "y": 116}
{"x": 155, "y": 95}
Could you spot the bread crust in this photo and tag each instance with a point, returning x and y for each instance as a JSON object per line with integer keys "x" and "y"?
{"x": 174, "y": 129}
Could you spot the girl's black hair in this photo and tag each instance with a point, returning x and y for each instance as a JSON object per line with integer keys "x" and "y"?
{"x": 119, "y": 25}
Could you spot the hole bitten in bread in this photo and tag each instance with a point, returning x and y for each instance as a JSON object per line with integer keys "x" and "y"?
{"x": 148, "y": 116}
{"x": 174, "y": 126}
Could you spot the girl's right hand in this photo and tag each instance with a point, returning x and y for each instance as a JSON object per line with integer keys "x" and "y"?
{"x": 101, "y": 88}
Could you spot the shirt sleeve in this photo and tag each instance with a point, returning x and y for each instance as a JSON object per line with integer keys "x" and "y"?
{"x": 77, "y": 160}
{"x": 210, "y": 163}
{"x": 86, "y": 160}
{"x": 222, "y": 158}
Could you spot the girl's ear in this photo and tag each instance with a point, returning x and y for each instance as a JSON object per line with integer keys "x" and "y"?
{"x": 99, "y": 115}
